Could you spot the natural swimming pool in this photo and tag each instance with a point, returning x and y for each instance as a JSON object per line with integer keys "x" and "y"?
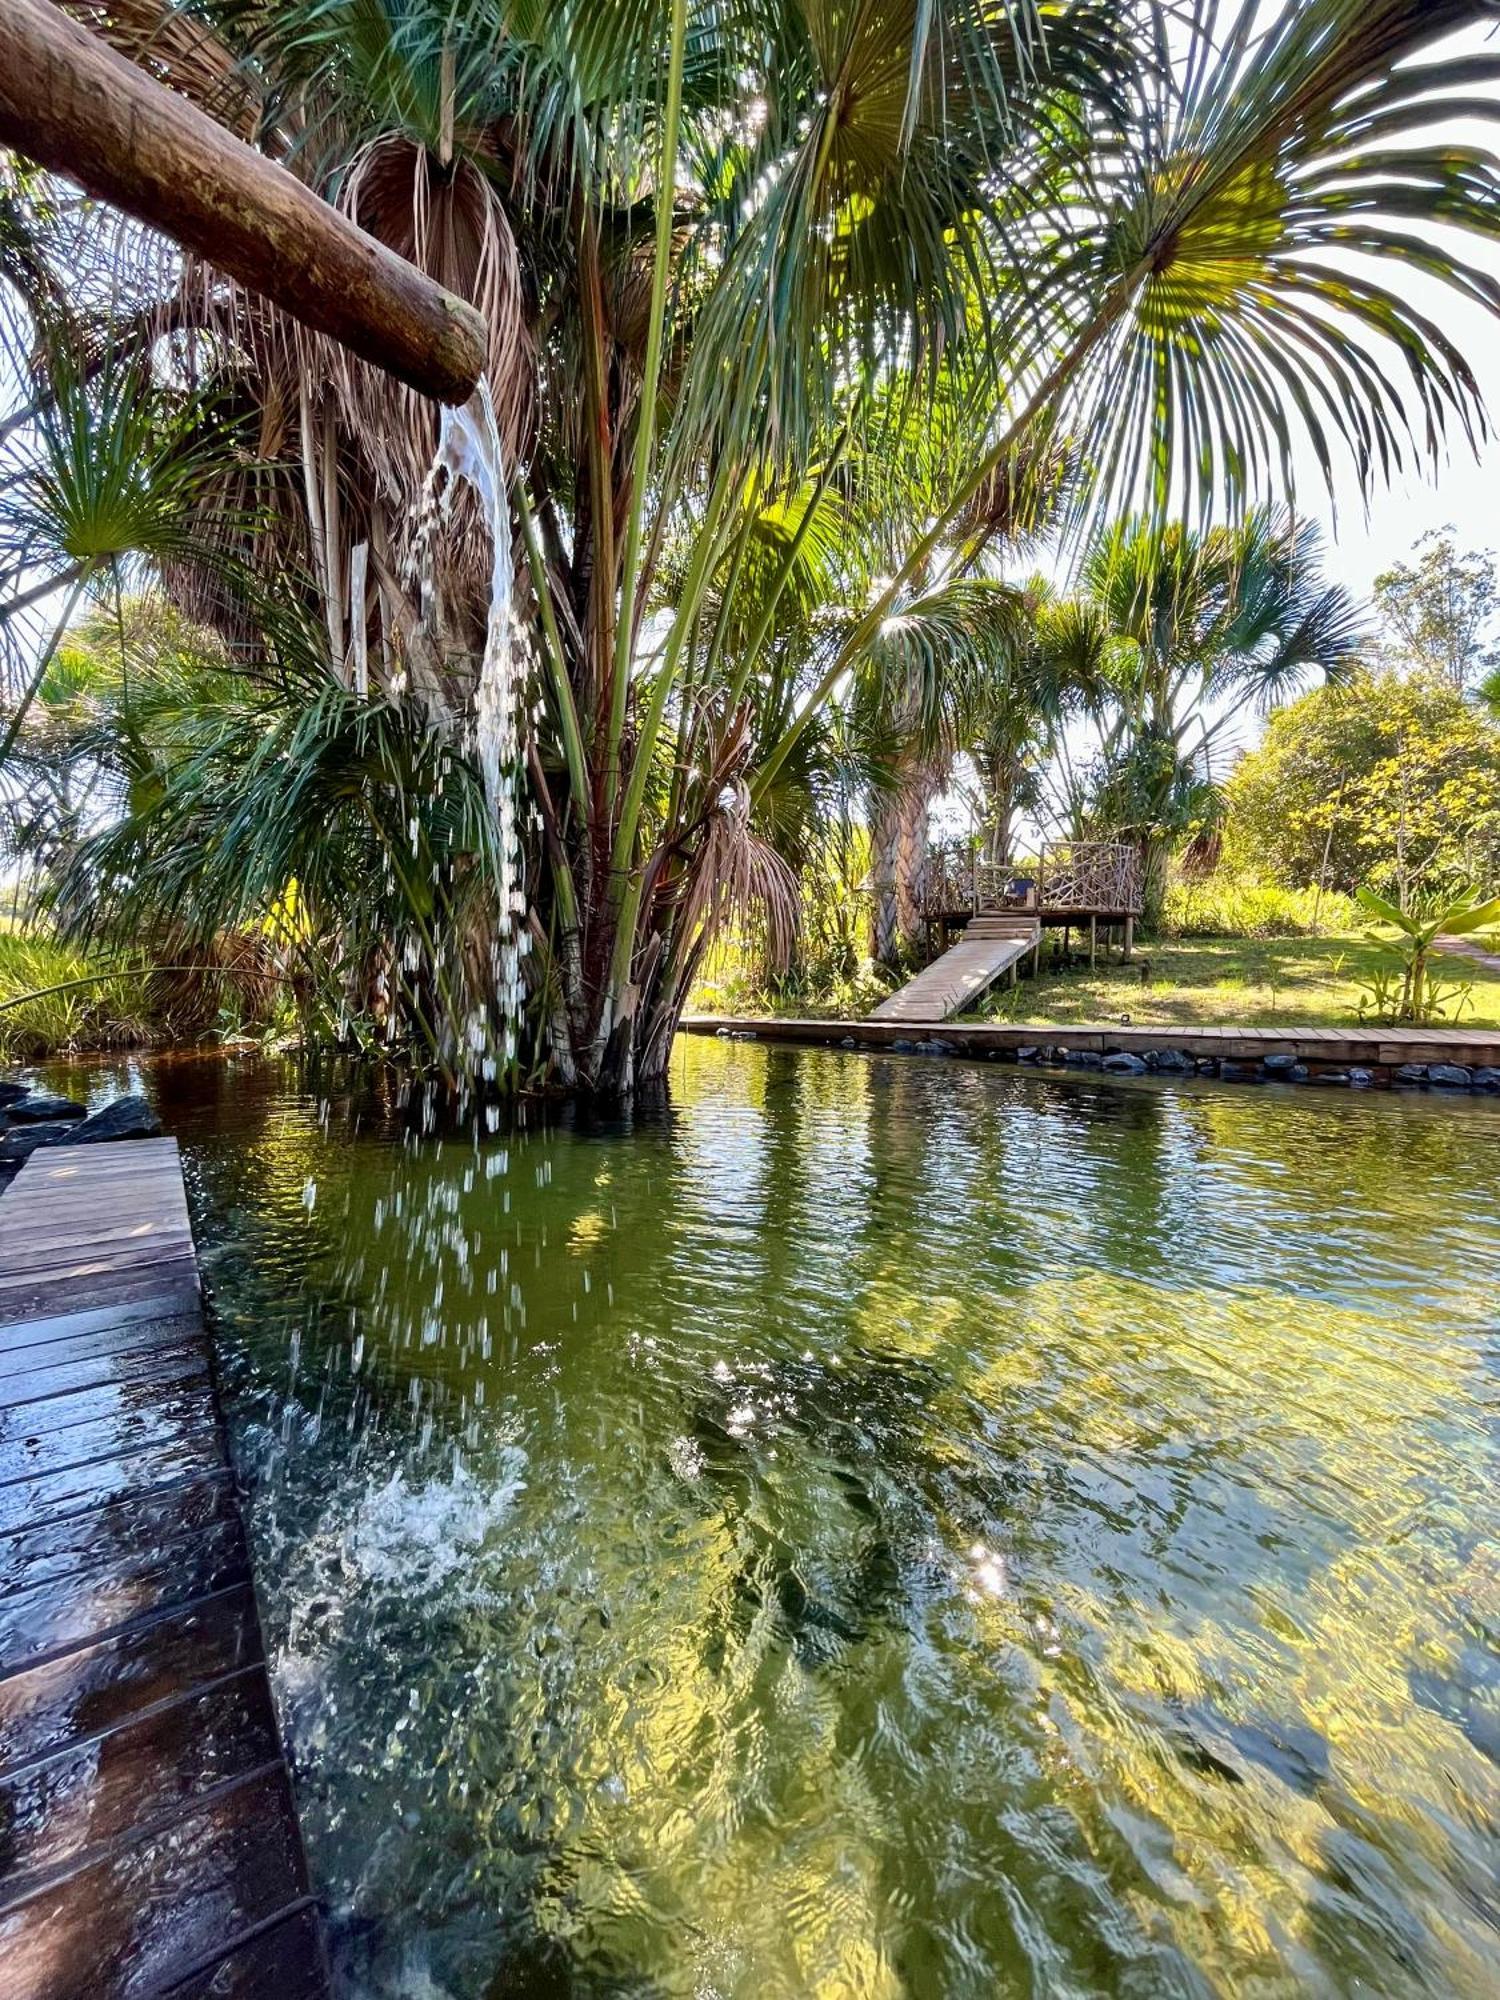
{"x": 880, "y": 1527}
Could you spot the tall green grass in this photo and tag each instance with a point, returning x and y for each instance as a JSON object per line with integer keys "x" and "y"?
{"x": 1225, "y": 905}
{"x": 107, "y": 1013}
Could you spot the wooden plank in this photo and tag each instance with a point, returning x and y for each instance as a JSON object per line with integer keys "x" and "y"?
{"x": 137, "y": 1782}
{"x": 960, "y": 976}
{"x": 130, "y": 1918}
{"x": 163, "y": 1309}
{"x": 110, "y": 1536}
{"x": 281, "y": 1961}
{"x": 60, "y": 1380}
{"x": 149, "y": 1835}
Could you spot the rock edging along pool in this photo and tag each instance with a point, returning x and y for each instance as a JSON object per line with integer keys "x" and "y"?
{"x": 1461, "y": 1060}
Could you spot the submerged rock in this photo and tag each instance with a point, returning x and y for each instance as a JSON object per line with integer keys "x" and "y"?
{"x": 37, "y": 1108}
{"x": 1487, "y": 1077}
{"x": 12, "y": 1093}
{"x": 126, "y": 1118}
{"x": 20, "y": 1145}
{"x": 1452, "y": 1076}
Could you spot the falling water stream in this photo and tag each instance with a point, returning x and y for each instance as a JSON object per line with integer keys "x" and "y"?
{"x": 470, "y": 454}
{"x": 879, "y": 1530}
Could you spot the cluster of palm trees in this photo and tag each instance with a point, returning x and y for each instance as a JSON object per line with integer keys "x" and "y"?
{"x": 806, "y": 318}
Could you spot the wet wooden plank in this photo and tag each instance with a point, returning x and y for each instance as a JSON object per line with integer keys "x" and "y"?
{"x": 157, "y": 1316}
{"x": 55, "y": 1549}
{"x": 280, "y": 1962}
{"x": 58, "y": 1382}
{"x": 134, "y": 1782}
{"x": 148, "y": 1836}
{"x": 94, "y": 1689}
{"x": 95, "y": 1480}
{"x": 136, "y": 1582}
{"x": 131, "y": 1919}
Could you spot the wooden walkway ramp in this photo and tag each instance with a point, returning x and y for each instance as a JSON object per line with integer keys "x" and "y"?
{"x": 148, "y": 1841}
{"x": 991, "y": 944}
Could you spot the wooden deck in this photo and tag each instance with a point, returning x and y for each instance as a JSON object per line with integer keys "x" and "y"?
{"x": 1378, "y": 1049}
{"x": 148, "y": 1840}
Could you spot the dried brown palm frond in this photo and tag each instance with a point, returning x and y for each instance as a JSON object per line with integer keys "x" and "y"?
{"x": 735, "y": 874}
{"x": 179, "y": 49}
{"x": 451, "y": 223}
{"x": 1019, "y": 500}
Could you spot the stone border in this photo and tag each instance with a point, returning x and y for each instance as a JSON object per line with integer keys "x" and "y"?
{"x": 1447, "y": 1060}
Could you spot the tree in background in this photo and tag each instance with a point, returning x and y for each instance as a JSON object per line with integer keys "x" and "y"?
{"x": 1391, "y": 781}
{"x": 1439, "y": 612}
{"x": 1179, "y": 634}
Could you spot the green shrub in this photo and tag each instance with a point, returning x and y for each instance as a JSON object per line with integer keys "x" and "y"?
{"x": 107, "y": 1013}
{"x": 1224, "y": 905}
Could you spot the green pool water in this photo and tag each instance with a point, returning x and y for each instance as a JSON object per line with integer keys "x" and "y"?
{"x": 874, "y": 1528}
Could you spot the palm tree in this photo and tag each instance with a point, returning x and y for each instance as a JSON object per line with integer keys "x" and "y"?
{"x": 1182, "y": 632}
{"x": 716, "y": 250}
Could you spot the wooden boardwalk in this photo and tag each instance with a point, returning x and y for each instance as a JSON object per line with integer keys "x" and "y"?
{"x": 993, "y": 944}
{"x": 1379, "y": 1049}
{"x": 148, "y": 1840}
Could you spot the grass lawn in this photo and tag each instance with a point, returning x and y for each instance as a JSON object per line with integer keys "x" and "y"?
{"x": 1211, "y": 982}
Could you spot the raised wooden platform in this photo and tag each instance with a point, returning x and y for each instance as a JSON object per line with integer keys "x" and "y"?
{"x": 1373, "y": 1048}
{"x": 148, "y": 1840}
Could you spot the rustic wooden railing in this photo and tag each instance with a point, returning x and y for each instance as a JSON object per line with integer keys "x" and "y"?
{"x": 1102, "y": 876}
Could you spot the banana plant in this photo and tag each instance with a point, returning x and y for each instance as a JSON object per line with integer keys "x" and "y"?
{"x": 1416, "y": 934}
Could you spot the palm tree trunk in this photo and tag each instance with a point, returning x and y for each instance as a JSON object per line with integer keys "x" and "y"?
{"x": 898, "y": 842}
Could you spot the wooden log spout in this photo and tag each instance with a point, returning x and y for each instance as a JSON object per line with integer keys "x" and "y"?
{"x": 74, "y": 105}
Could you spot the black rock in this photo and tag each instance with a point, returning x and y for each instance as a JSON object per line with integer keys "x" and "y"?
{"x": 1207, "y": 1065}
{"x": 35, "y": 1109}
{"x": 1085, "y": 1059}
{"x": 1028, "y": 1055}
{"x": 1361, "y": 1079}
{"x": 931, "y": 1046}
{"x": 1330, "y": 1076}
{"x": 20, "y": 1145}
{"x": 1173, "y": 1059}
{"x": 126, "y": 1118}
{"x": 12, "y": 1093}
{"x": 1487, "y": 1077}
{"x": 1123, "y": 1064}
{"x": 1279, "y": 1065}
{"x": 1453, "y": 1076}
{"x": 1412, "y": 1073}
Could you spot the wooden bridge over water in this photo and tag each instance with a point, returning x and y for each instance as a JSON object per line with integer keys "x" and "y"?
{"x": 999, "y": 914}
